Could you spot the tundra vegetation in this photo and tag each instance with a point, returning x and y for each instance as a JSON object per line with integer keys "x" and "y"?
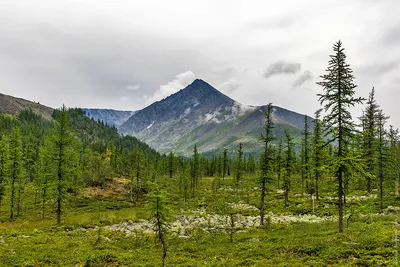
{"x": 73, "y": 192}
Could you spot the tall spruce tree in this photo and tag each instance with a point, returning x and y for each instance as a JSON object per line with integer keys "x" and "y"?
{"x": 306, "y": 159}
{"x": 15, "y": 164}
{"x": 267, "y": 158}
{"x": 382, "y": 151}
{"x": 63, "y": 152}
{"x": 46, "y": 171}
{"x": 370, "y": 128}
{"x": 394, "y": 156}
{"x": 251, "y": 164}
{"x": 317, "y": 150}
{"x": 279, "y": 161}
{"x": 138, "y": 171}
{"x": 171, "y": 164}
{"x": 289, "y": 164}
{"x": 239, "y": 166}
{"x": 184, "y": 183}
{"x": 159, "y": 217}
{"x": 338, "y": 97}
{"x": 3, "y": 161}
{"x": 224, "y": 163}
{"x": 195, "y": 170}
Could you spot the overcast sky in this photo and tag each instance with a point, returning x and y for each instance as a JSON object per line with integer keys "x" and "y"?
{"x": 127, "y": 54}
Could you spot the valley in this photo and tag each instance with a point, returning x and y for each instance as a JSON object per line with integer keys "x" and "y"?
{"x": 198, "y": 179}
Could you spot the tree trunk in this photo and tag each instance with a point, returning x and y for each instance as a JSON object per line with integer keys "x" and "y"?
{"x": 164, "y": 255}
{"x": 36, "y": 196}
{"x": 137, "y": 188}
{"x": 12, "y": 192}
{"x": 59, "y": 186}
{"x": 340, "y": 199}
{"x": 286, "y": 197}
{"x": 131, "y": 193}
{"x": 262, "y": 202}
{"x": 43, "y": 201}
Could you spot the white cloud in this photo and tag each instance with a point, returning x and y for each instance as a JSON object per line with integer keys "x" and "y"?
{"x": 282, "y": 67}
{"x": 131, "y": 87}
{"x": 303, "y": 78}
{"x": 124, "y": 98}
{"x": 229, "y": 86}
{"x": 181, "y": 81}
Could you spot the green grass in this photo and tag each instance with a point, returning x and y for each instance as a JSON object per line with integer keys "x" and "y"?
{"x": 368, "y": 239}
{"x": 300, "y": 244}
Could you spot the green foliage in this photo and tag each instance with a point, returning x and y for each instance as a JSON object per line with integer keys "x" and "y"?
{"x": 14, "y": 165}
{"x": 90, "y": 174}
{"x": 267, "y": 157}
{"x": 318, "y": 151}
{"x": 3, "y": 160}
{"x": 159, "y": 217}
{"x": 195, "y": 170}
{"x": 289, "y": 165}
{"x": 370, "y": 128}
{"x": 96, "y": 169}
{"x": 239, "y": 167}
{"x": 337, "y": 100}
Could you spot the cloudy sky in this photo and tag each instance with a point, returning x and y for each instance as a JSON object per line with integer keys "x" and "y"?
{"x": 127, "y": 54}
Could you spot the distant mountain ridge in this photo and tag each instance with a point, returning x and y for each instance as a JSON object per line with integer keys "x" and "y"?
{"x": 109, "y": 116}
{"x": 200, "y": 114}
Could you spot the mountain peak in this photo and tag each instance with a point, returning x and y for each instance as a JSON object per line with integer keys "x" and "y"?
{"x": 202, "y": 89}
{"x": 198, "y": 82}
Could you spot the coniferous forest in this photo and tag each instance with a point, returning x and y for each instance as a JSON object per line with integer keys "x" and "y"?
{"x": 75, "y": 192}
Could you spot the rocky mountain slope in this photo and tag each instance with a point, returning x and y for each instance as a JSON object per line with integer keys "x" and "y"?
{"x": 14, "y": 105}
{"x": 200, "y": 114}
{"x": 109, "y": 116}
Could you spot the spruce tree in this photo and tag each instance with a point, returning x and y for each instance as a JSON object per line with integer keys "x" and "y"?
{"x": 382, "y": 151}
{"x": 46, "y": 171}
{"x": 306, "y": 159}
{"x": 224, "y": 163}
{"x": 338, "y": 97}
{"x": 171, "y": 164}
{"x": 195, "y": 170}
{"x": 3, "y": 161}
{"x": 135, "y": 172}
{"x": 394, "y": 157}
{"x": 251, "y": 164}
{"x": 289, "y": 164}
{"x": 317, "y": 150}
{"x": 279, "y": 160}
{"x": 370, "y": 128}
{"x": 266, "y": 161}
{"x": 132, "y": 173}
{"x": 239, "y": 166}
{"x": 159, "y": 217}
{"x": 63, "y": 155}
{"x": 184, "y": 183}
{"x": 15, "y": 164}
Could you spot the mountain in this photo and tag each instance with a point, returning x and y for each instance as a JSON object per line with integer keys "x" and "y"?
{"x": 109, "y": 116}
{"x": 13, "y": 105}
{"x": 200, "y": 114}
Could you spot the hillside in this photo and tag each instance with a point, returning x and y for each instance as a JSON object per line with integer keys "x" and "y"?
{"x": 91, "y": 132}
{"x": 13, "y": 105}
